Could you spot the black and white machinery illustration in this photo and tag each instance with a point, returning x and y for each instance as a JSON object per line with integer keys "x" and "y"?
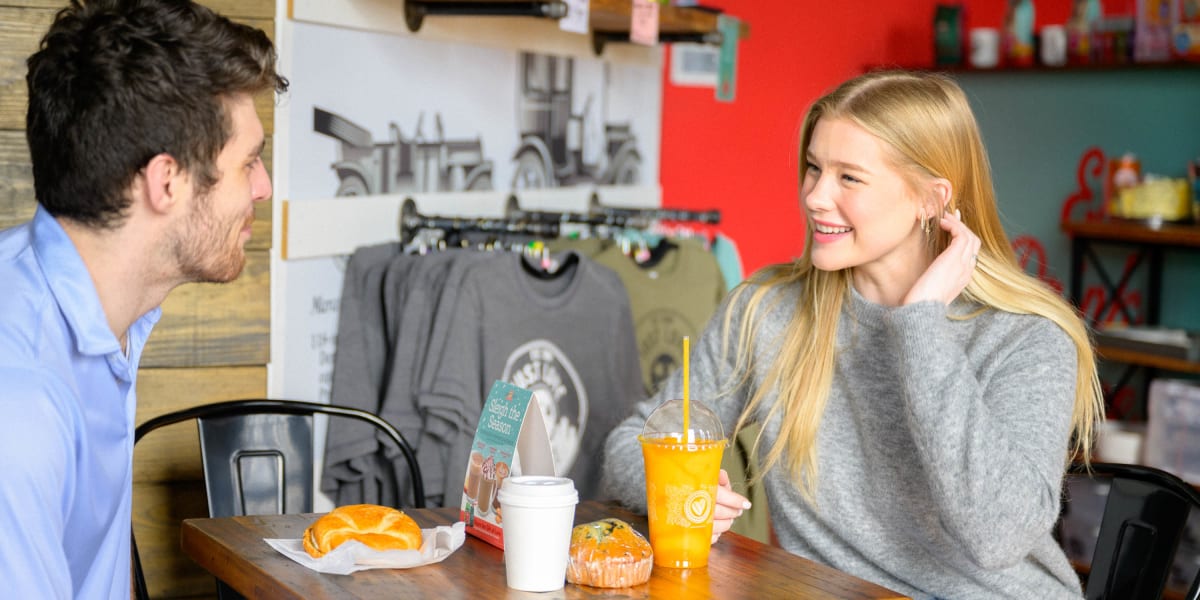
{"x": 555, "y": 140}
{"x": 403, "y": 164}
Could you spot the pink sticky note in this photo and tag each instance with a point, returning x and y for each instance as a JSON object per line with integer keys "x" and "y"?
{"x": 643, "y": 29}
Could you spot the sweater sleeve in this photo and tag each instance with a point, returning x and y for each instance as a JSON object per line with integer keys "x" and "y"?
{"x": 992, "y": 437}
{"x": 712, "y": 382}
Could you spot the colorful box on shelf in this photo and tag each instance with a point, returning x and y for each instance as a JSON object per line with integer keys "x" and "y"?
{"x": 1168, "y": 199}
{"x": 1166, "y": 30}
{"x": 1185, "y": 30}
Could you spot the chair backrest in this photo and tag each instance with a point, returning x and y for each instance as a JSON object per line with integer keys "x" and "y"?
{"x": 258, "y": 456}
{"x": 257, "y": 464}
{"x": 1144, "y": 518}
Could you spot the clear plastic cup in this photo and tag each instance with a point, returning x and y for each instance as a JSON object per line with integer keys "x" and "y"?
{"x": 682, "y": 468}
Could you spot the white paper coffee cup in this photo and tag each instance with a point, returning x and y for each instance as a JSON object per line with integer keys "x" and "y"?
{"x": 539, "y": 513}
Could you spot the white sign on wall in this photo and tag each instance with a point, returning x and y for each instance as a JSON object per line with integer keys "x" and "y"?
{"x": 371, "y": 113}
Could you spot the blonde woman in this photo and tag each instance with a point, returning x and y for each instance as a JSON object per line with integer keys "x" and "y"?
{"x": 919, "y": 394}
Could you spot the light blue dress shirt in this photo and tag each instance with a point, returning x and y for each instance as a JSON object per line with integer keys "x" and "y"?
{"x": 67, "y": 403}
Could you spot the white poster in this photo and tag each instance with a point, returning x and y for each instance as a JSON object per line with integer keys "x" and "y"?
{"x": 373, "y": 113}
{"x": 311, "y": 314}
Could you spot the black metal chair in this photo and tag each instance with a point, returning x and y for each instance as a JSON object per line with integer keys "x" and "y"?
{"x": 258, "y": 458}
{"x": 1145, "y": 515}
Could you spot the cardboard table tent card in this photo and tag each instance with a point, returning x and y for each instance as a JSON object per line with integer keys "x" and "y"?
{"x": 510, "y": 426}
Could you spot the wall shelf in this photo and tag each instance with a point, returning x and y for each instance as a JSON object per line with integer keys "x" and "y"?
{"x": 693, "y": 24}
{"x": 1150, "y": 244}
{"x": 1177, "y": 65}
{"x": 1146, "y": 359}
{"x": 609, "y": 20}
{"x": 613, "y": 16}
{"x": 1116, "y": 230}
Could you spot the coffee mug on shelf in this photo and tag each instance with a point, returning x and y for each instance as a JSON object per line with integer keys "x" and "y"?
{"x": 985, "y": 47}
{"x": 1053, "y": 49}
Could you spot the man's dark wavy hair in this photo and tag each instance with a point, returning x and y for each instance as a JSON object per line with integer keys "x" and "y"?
{"x": 116, "y": 82}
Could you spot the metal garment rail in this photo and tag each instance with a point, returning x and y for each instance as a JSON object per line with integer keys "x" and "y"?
{"x": 546, "y": 224}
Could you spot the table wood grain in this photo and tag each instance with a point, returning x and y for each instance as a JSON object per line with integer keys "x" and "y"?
{"x": 232, "y": 549}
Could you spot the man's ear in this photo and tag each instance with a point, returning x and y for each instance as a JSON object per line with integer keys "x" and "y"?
{"x": 163, "y": 183}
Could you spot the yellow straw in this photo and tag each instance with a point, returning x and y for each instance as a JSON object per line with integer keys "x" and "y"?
{"x": 687, "y": 434}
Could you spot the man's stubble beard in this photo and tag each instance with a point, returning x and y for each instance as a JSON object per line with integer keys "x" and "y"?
{"x": 202, "y": 250}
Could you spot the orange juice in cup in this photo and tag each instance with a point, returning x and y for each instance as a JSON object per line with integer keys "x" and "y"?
{"x": 681, "y": 483}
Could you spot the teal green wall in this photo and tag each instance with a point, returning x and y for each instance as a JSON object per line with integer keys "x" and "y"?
{"x": 1038, "y": 124}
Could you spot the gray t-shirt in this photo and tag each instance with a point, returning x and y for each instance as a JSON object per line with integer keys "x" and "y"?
{"x": 669, "y": 299}
{"x": 431, "y": 290}
{"x": 941, "y": 450}
{"x": 353, "y": 470}
{"x": 569, "y": 339}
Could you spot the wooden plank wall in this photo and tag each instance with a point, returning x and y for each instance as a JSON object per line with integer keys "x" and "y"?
{"x": 211, "y": 344}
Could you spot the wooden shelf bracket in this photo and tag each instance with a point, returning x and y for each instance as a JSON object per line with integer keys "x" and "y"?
{"x": 601, "y": 38}
{"x": 415, "y": 11}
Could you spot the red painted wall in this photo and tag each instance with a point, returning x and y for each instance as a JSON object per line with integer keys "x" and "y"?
{"x": 741, "y": 157}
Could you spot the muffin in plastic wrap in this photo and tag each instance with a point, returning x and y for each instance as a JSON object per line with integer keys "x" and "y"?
{"x": 610, "y": 554}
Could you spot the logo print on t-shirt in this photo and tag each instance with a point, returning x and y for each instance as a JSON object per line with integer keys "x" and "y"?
{"x": 542, "y": 368}
{"x": 660, "y": 345}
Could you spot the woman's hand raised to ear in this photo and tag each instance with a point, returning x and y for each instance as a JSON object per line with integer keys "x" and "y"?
{"x": 951, "y": 271}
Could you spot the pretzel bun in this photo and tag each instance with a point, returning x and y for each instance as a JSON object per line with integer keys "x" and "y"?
{"x": 610, "y": 554}
{"x": 378, "y": 527}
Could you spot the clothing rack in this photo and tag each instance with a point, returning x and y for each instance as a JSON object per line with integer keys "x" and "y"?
{"x": 546, "y": 224}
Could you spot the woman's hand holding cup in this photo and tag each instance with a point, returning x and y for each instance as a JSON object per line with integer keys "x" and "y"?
{"x": 729, "y": 506}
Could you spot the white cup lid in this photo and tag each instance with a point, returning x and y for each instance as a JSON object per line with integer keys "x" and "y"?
{"x": 538, "y": 490}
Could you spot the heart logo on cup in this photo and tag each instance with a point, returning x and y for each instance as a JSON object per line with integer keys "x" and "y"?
{"x": 698, "y": 507}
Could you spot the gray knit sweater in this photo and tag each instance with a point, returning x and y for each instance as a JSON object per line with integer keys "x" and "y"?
{"x": 940, "y": 453}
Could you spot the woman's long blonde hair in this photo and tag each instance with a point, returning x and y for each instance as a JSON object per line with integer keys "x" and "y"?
{"x": 929, "y": 126}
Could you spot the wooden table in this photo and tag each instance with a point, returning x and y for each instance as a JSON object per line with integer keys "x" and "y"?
{"x": 232, "y": 549}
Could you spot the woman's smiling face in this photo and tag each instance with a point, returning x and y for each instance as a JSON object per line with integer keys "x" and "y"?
{"x": 861, "y": 209}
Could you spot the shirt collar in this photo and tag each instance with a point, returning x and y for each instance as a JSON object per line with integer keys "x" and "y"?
{"x": 74, "y": 291}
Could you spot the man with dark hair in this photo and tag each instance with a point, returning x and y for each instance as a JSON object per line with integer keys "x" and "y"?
{"x": 146, "y": 161}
